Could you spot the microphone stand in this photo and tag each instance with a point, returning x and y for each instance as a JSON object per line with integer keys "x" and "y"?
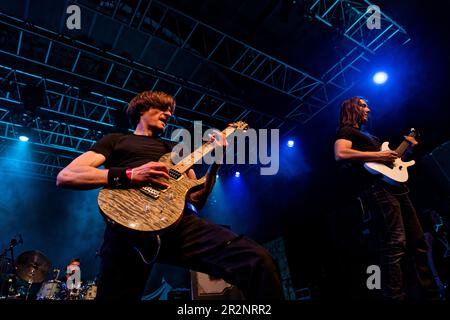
{"x": 12, "y": 244}
{"x": 4, "y": 268}
{"x": 13, "y": 276}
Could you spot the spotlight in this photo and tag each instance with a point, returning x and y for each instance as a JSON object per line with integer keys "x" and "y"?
{"x": 23, "y": 138}
{"x": 217, "y": 176}
{"x": 237, "y": 174}
{"x": 290, "y": 143}
{"x": 380, "y": 77}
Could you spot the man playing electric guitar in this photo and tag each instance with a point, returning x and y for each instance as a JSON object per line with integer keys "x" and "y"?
{"x": 193, "y": 243}
{"x": 394, "y": 222}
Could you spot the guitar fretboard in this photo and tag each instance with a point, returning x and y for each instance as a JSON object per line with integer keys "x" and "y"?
{"x": 404, "y": 145}
{"x": 199, "y": 153}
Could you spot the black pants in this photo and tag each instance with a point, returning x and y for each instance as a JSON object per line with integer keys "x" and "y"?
{"x": 396, "y": 231}
{"x": 193, "y": 243}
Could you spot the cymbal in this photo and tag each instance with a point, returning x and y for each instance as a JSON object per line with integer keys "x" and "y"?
{"x": 32, "y": 266}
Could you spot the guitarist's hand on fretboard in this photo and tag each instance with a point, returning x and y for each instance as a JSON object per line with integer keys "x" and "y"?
{"x": 412, "y": 141}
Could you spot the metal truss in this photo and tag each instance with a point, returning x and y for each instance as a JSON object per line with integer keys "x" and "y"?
{"x": 93, "y": 114}
{"x": 90, "y": 63}
{"x": 73, "y": 117}
{"x": 154, "y": 18}
{"x": 46, "y": 133}
{"x": 37, "y": 164}
{"x": 339, "y": 79}
{"x": 311, "y": 95}
{"x": 61, "y": 98}
{"x": 350, "y": 17}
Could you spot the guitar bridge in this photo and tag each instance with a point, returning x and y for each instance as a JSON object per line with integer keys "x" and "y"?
{"x": 149, "y": 191}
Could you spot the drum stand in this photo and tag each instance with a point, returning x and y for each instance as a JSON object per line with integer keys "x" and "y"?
{"x": 30, "y": 282}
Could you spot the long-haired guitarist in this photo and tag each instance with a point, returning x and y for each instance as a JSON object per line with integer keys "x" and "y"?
{"x": 394, "y": 223}
{"x": 192, "y": 243}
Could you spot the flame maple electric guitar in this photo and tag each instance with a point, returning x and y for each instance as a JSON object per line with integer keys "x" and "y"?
{"x": 397, "y": 172}
{"x": 154, "y": 208}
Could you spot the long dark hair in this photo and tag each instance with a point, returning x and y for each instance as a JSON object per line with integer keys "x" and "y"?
{"x": 351, "y": 114}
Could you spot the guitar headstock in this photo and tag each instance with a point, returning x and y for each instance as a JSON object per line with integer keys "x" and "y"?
{"x": 239, "y": 125}
{"x": 412, "y": 132}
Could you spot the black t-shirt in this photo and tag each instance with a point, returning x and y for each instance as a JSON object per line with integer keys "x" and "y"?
{"x": 352, "y": 175}
{"x": 130, "y": 150}
{"x": 361, "y": 140}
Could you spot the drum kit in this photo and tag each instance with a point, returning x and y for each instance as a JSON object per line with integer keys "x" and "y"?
{"x": 32, "y": 267}
{"x": 57, "y": 290}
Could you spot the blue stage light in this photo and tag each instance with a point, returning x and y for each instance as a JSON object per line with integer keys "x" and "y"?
{"x": 380, "y": 77}
{"x": 290, "y": 143}
{"x": 23, "y": 138}
{"x": 237, "y": 174}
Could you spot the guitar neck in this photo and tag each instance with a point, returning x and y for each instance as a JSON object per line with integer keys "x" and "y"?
{"x": 404, "y": 145}
{"x": 200, "y": 152}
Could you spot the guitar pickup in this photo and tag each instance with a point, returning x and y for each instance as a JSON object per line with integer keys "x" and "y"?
{"x": 159, "y": 187}
{"x": 149, "y": 191}
{"x": 390, "y": 165}
{"x": 174, "y": 174}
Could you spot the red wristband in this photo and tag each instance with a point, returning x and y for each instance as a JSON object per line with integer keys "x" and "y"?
{"x": 129, "y": 173}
